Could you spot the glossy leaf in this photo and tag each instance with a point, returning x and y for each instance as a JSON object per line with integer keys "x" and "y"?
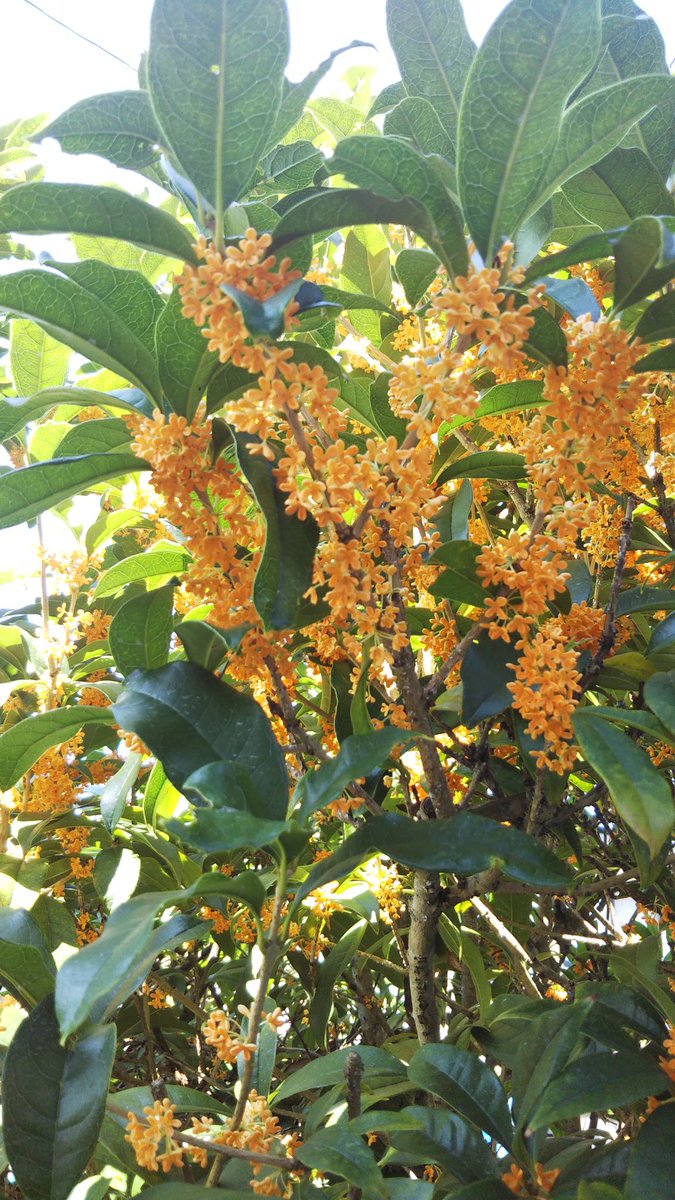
{"x": 97, "y": 211}
{"x": 575, "y": 296}
{"x": 459, "y": 582}
{"x": 465, "y": 844}
{"x": 330, "y": 1069}
{"x": 215, "y": 75}
{"x": 116, "y": 790}
{"x": 189, "y": 719}
{"x": 434, "y": 53}
{"x": 154, "y": 566}
{"x": 140, "y": 633}
{"x": 650, "y": 1169}
{"x": 644, "y": 599}
{"x": 512, "y": 109}
{"x": 119, "y": 126}
{"x": 286, "y": 567}
{"x": 597, "y": 1081}
{"x": 647, "y": 245}
{"x": 340, "y": 1152}
{"x": 15, "y": 414}
{"x": 640, "y": 794}
{"x": 23, "y": 743}
{"x": 444, "y": 1139}
{"x": 27, "y": 968}
{"x": 359, "y": 755}
{"x": 81, "y": 321}
{"x": 486, "y": 464}
{"x": 486, "y": 669}
{"x": 53, "y": 1103}
{"x": 469, "y": 1086}
{"x": 395, "y": 170}
{"x": 660, "y": 696}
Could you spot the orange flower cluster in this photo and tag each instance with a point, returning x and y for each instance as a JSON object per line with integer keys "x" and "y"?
{"x": 544, "y": 692}
{"x": 228, "y": 1045}
{"x": 667, "y": 1062}
{"x": 514, "y": 1178}
{"x": 529, "y": 571}
{"x": 53, "y": 785}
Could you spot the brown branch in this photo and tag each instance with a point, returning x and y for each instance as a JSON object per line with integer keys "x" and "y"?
{"x": 609, "y": 632}
{"x": 436, "y": 684}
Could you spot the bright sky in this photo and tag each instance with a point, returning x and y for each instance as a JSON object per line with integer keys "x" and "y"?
{"x": 46, "y": 68}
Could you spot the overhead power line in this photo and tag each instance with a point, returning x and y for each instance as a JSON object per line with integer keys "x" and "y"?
{"x": 83, "y": 37}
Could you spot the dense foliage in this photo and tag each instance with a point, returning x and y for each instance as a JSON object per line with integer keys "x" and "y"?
{"x": 338, "y": 723}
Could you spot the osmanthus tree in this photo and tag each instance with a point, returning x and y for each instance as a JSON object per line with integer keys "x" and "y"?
{"x": 337, "y": 742}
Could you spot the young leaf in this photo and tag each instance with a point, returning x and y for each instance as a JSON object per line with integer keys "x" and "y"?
{"x": 120, "y": 126}
{"x": 190, "y": 719}
{"x": 53, "y": 1102}
{"x": 434, "y": 53}
{"x": 533, "y": 58}
{"x": 22, "y": 744}
{"x": 640, "y": 794}
{"x": 215, "y": 75}
{"x": 106, "y": 212}
{"x": 467, "y": 1085}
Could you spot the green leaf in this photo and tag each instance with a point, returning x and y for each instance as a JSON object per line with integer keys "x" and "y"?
{"x": 486, "y": 669}
{"x": 140, "y": 632}
{"x": 35, "y": 359}
{"x": 53, "y": 1103}
{"x": 22, "y": 744}
{"x": 659, "y": 693}
{"x": 646, "y": 244}
{"x": 640, "y": 794}
{"x": 467, "y": 1085}
{"x": 323, "y": 210}
{"x": 15, "y": 414}
{"x": 127, "y": 294}
{"x": 658, "y": 320}
{"x": 292, "y": 167}
{"x": 287, "y": 564}
{"x": 296, "y": 95}
{"x": 594, "y": 125}
{"x": 189, "y": 719}
{"x": 109, "y": 434}
{"x": 465, "y": 844}
{"x": 232, "y": 811}
{"x": 444, "y": 1139}
{"x": 595, "y": 1082}
{"x": 119, "y": 126}
{"x": 416, "y": 119}
{"x": 359, "y": 755}
{"x": 416, "y": 270}
{"x": 107, "y": 212}
{"x": 459, "y": 582}
{"x": 113, "y": 798}
{"x": 651, "y": 1164}
{"x": 396, "y": 171}
{"x": 366, "y": 263}
{"x": 622, "y": 186}
{"x": 504, "y": 398}
{"x": 91, "y": 984}
{"x": 327, "y": 974}
{"x": 575, "y": 296}
{"x": 486, "y": 464}
{"x": 204, "y": 644}
{"x": 27, "y": 968}
{"x": 544, "y": 1048}
{"x": 74, "y": 316}
{"x": 330, "y": 1069}
{"x": 155, "y": 565}
{"x": 185, "y": 363}
{"x": 264, "y": 318}
{"x": 644, "y": 599}
{"x": 597, "y": 1190}
{"x": 434, "y": 53}
{"x": 390, "y": 95}
{"x": 215, "y": 75}
{"x": 587, "y": 249}
{"x": 658, "y": 360}
{"x": 646, "y": 722}
{"x": 531, "y": 61}
{"x": 343, "y": 1153}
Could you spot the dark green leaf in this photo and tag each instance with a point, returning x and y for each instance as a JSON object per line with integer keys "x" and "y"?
{"x": 237, "y": 812}
{"x": 127, "y": 294}
{"x": 140, "y": 633}
{"x": 328, "y": 973}
{"x": 204, "y": 644}
{"x": 22, "y": 744}
{"x": 296, "y": 95}
{"x": 459, "y": 582}
{"x": 323, "y": 210}
{"x": 624, "y": 185}
{"x": 546, "y": 342}
{"x": 36, "y": 208}
{"x": 545, "y": 1046}
{"x": 660, "y": 696}
{"x": 587, "y": 249}
{"x": 359, "y": 755}
{"x": 74, "y": 316}
{"x": 330, "y": 1069}
{"x": 644, "y": 599}
{"x": 343, "y": 1153}
{"x": 464, "y": 844}
{"x": 53, "y": 1103}
{"x": 27, "y": 968}
{"x": 120, "y": 126}
{"x": 116, "y": 790}
{"x": 286, "y": 567}
{"x": 652, "y": 1160}
{"x": 658, "y": 360}
{"x": 292, "y": 166}
{"x": 486, "y": 669}
{"x": 531, "y": 61}
{"x": 658, "y": 321}
{"x": 185, "y": 363}
{"x": 215, "y": 75}
{"x": 645, "y": 247}
{"x": 396, "y": 171}
{"x": 155, "y": 565}
{"x": 597, "y": 1082}
{"x": 16, "y": 413}
{"x": 434, "y": 53}
{"x": 190, "y": 719}
{"x": 467, "y": 1085}
{"x": 444, "y": 1139}
{"x": 640, "y": 794}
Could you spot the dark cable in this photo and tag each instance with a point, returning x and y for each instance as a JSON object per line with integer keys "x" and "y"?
{"x": 82, "y": 36}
